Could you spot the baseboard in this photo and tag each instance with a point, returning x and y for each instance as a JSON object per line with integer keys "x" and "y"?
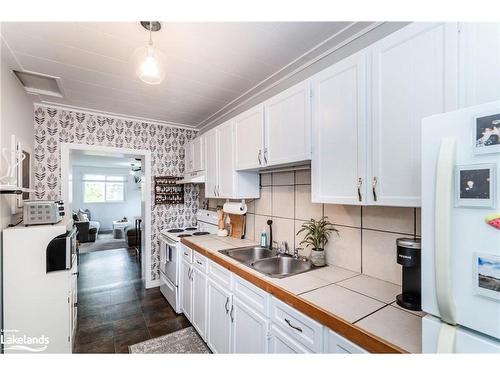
{"x": 152, "y": 284}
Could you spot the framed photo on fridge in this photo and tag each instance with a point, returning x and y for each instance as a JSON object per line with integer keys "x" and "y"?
{"x": 475, "y": 185}
{"x": 486, "y": 133}
{"x": 486, "y": 275}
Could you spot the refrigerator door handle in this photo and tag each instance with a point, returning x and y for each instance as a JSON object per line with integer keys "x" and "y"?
{"x": 442, "y": 230}
{"x": 446, "y": 339}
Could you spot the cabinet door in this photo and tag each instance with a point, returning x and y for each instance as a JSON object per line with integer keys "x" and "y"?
{"x": 334, "y": 343}
{"x": 225, "y": 167}
{"x": 414, "y": 75}
{"x": 249, "y": 139}
{"x": 211, "y": 156}
{"x": 199, "y": 310}
{"x": 186, "y": 289}
{"x": 288, "y": 126}
{"x": 249, "y": 329}
{"x": 188, "y": 158}
{"x": 218, "y": 320}
{"x": 282, "y": 344}
{"x": 339, "y": 132}
{"x": 198, "y": 156}
{"x": 479, "y": 63}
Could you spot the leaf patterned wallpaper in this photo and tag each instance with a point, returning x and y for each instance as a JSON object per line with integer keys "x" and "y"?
{"x": 53, "y": 126}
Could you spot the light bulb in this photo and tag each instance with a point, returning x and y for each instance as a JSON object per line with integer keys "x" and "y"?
{"x": 150, "y": 65}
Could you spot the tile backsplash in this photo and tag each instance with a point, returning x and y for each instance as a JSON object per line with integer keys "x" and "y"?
{"x": 367, "y": 234}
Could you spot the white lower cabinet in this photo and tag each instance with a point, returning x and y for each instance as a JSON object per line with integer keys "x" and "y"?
{"x": 281, "y": 343}
{"x": 218, "y": 319}
{"x": 249, "y": 331}
{"x": 233, "y": 315}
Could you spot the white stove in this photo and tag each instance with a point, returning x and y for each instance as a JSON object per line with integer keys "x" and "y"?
{"x": 170, "y": 253}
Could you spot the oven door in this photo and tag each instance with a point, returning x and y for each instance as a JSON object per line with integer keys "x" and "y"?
{"x": 169, "y": 259}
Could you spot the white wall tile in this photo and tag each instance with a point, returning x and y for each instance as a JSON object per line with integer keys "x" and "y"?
{"x": 283, "y": 178}
{"x": 304, "y": 208}
{"x": 283, "y": 201}
{"x": 343, "y": 214}
{"x": 250, "y": 227}
{"x": 379, "y": 256}
{"x": 306, "y": 249}
{"x": 284, "y": 230}
{"x": 261, "y": 224}
{"x": 263, "y": 205}
{"x": 250, "y": 206}
{"x": 344, "y": 250}
{"x": 418, "y": 221}
{"x": 303, "y": 177}
{"x": 391, "y": 219}
{"x": 266, "y": 179}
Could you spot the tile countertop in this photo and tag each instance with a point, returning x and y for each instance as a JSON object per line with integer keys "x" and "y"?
{"x": 363, "y": 301}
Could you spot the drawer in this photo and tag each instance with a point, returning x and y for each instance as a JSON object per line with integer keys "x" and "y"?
{"x": 219, "y": 274}
{"x": 334, "y": 343}
{"x": 187, "y": 253}
{"x": 200, "y": 262}
{"x": 298, "y": 326}
{"x": 253, "y": 296}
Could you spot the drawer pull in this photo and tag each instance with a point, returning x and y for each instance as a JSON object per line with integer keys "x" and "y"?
{"x": 186, "y": 254}
{"x": 227, "y": 308}
{"x": 200, "y": 263}
{"x": 291, "y": 325}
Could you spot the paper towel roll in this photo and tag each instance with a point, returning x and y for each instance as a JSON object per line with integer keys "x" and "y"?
{"x": 236, "y": 208}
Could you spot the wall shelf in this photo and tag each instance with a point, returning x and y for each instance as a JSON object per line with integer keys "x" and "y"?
{"x": 167, "y": 191}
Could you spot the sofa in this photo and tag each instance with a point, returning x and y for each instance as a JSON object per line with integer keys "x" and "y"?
{"x": 87, "y": 228}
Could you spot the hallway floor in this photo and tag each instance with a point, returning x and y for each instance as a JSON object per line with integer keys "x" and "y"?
{"x": 114, "y": 309}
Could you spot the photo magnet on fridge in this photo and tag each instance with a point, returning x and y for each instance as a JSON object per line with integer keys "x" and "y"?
{"x": 475, "y": 185}
{"x": 487, "y": 275}
{"x": 487, "y": 134}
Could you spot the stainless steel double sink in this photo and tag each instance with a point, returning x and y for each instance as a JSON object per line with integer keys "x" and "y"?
{"x": 269, "y": 262}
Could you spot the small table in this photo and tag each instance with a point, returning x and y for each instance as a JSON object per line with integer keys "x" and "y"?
{"x": 119, "y": 228}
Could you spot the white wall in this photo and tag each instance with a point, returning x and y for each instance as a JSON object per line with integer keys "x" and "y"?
{"x": 105, "y": 213}
{"x": 16, "y": 117}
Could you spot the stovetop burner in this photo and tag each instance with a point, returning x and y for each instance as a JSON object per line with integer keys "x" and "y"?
{"x": 200, "y": 233}
{"x": 184, "y": 235}
{"x": 190, "y": 228}
{"x": 175, "y": 230}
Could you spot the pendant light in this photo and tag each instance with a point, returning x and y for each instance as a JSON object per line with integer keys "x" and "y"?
{"x": 149, "y": 61}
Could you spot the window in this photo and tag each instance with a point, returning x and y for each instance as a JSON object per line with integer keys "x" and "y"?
{"x": 101, "y": 189}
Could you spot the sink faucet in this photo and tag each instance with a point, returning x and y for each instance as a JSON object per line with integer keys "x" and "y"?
{"x": 296, "y": 252}
{"x": 283, "y": 249}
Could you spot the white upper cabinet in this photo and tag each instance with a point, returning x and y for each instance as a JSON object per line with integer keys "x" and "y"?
{"x": 221, "y": 178}
{"x": 479, "y": 63}
{"x": 194, "y": 155}
{"x": 414, "y": 75}
{"x": 188, "y": 158}
{"x": 339, "y": 132}
{"x": 211, "y": 161}
{"x": 287, "y": 130}
{"x": 249, "y": 138}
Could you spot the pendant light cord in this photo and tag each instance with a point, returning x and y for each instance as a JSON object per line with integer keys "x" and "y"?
{"x": 150, "y": 33}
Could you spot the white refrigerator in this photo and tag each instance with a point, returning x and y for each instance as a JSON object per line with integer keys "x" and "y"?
{"x": 461, "y": 231}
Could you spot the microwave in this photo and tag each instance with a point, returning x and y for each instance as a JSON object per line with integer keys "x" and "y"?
{"x": 42, "y": 212}
{"x": 61, "y": 252}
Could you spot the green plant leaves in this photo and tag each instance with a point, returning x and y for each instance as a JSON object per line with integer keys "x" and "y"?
{"x": 317, "y": 232}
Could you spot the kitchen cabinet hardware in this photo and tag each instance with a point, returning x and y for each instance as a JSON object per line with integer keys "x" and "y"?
{"x": 231, "y": 314}
{"x": 226, "y": 306}
{"x": 292, "y": 326}
{"x": 360, "y": 182}
{"x": 374, "y": 186}
{"x": 260, "y": 157}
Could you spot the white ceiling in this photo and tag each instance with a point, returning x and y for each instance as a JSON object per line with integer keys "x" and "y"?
{"x": 93, "y": 159}
{"x": 208, "y": 64}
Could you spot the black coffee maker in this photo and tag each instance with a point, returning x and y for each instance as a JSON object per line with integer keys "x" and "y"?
{"x": 408, "y": 255}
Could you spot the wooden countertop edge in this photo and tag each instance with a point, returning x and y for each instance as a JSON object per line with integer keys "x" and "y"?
{"x": 353, "y": 333}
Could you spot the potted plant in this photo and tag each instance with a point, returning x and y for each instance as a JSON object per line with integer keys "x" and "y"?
{"x": 317, "y": 233}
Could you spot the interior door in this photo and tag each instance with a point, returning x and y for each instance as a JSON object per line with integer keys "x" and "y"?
{"x": 339, "y": 132}
{"x": 249, "y": 139}
{"x": 249, "y": 329}
{"x": 211, "y": 160}
{"x": 218, "y": 319}
{"x": 186, "y": 289}
{"x": 199, "y": 301}
{"x": 288, "y": 126}
{"x": 414, "y": 75}
{"x": 225, "y": 165}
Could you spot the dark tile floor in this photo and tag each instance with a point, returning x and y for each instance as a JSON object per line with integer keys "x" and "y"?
{"x": 114, "y": 309}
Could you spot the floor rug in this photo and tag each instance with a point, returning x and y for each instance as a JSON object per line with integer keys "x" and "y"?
{"x": 185, "y": 341}
{"x": 104, "y": 242}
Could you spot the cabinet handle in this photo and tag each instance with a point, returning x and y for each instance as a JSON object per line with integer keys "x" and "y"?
{"x": 231, "y": 314}
{"x": 360, "y": 182}
{"x": 260, "y": 157}
{"x": 76, "y": 273}
{"x": 226, "y": 307}
{"x": 374, "y": 186}
{"x": 200, "y": 263}
{"x": 291, "y": 325}
{"x": 218, "y": 190}
{"x": 265, "y": 155}
{"x": 186, "y": 254}
{"x": 215, "y": 193}
{"x": 75, "y": 304}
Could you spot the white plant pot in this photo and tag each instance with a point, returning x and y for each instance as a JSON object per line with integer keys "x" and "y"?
{"x": 318, "y": 257}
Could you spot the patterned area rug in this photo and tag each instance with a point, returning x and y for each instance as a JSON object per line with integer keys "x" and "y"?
{"x": 104, "y": 242}
{"x": 185, "y": 341}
